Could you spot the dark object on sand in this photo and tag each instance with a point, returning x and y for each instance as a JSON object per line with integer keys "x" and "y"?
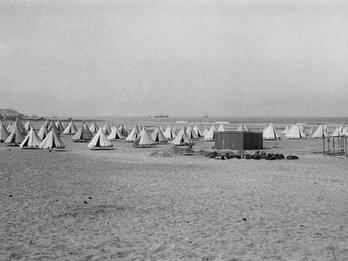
{"x": 292, "y": 157}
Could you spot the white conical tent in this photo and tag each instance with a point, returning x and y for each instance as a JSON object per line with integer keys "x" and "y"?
{"x": 191, "y": 134}
{"x": 169, "y": 133}
{"x": 31, "y": 141}
{"x": 181, "y": 139}
{"x": 242, "y": 127}
{"x": 198, "y": 132}
{"x": 70, "y": 129}
{"x": 59, "y": 126}
{"x": 15, "y": 138}
{"x": 46, "y": 124}
{"x": 210, "y": 135}
{"x": 133, "y": 135}
{"x": 3, "y": 132}
{"x": 158, "y": 136}
{"x": 52, "y": 141}
{"x": 345, "y": 131}
{"x": 94, "y": 127}
{"x": 320, "y": 132}
{"x": 106, "y": 129}
{"x": 115, "y": 134}
{"x": 144, "y": 140}
{"x": 123, "y": 130}
{"x": 28, "y": 126}
{"x": 42, "y": 132}
{"x": 285, "y": 131}
{"x": 89, "y": 133}
{"x": 17, "y": 124}
{"x": 337, "y": 132}
{"x": 205, "y": 131}
{"x": 221, "y": 128}
{"x": 53, "y": 127}
{"x": 100, "y": 141}
{"x": 82, "y": 135}
{"x": 269, "y": 133}
{"x": 295, "y": 132}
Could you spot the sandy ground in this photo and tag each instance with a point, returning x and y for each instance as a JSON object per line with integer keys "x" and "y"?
{"x": 127, "y": 205}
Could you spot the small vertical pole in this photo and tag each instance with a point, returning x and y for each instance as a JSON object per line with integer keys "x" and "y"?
{"x": 323, "y": 146}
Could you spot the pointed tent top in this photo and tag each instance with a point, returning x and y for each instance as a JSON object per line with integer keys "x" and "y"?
{"x": 70, "y": 129}
{"x": 144, "y": 140}
{"x": 94, "y": 127}
{"x": 106, "y": 129}
{"x": 181, "y": 138}
{"x": 15, "y": 138}
{"x": 59, "y": 126}
{"x": 158, "y": 136}
{"x": 295, "y": 132}
{"x": 99, "y": 141}
{"x": 31, "y": 141}
{"x": 269, "y": 133}
{"x": 210, "y": 135}
{"x": 133, "y": 135}
{"x": 169, "y": 133}
{"x": 43, "y": 132}
{"x": 191, "y": 134}
{"x": 115, "y": 134}
{"x": 242, "y": 127}
{"x": 52, "y": 141}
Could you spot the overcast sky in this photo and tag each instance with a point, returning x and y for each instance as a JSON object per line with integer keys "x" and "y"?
{"x": 128, "y": 58}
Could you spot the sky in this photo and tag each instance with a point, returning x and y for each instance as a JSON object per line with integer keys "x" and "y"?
{"x": 181, "y": 58}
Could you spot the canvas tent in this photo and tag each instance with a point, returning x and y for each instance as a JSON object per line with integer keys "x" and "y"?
{"x": 242, "y": 127}
{"x": 100, "y": 141}
{"x": 70, "y": 129}
{"x": 43, "y": 132}
{"x": 205, "y": 131}
{"x": 285, "y": 131}
{"x": 133, "y": 135}
{"x": 295, "y": 132}
{"x": 17, "y": 124}
{"x": 144, "y": 140}
{"x": 269, "y": 133}
{"x": 31, "y": 141}
{"x": 181, "y": 139}
{"x": 337, "y": 132}
{"x": 169, "y": 133}
{"x": 191, "y": 134}
{"x": 15, "y": 137}
{"x": 60, "y": 126}
{"x": 210, "y": 135}
{"x": 106, "y": 129}
{"x": 158, "y": 136}
{"x": 321, "y": 132}
{"x": 198, "y": 132}
{"x": 28, "y": 126}
{"x": 221, "y": 128}
{"x": 53, "y": 127}
{"x": 123, "y": 130}
{"x": 115, "y": 134}
{"x": 3, "y": 132}
{"x": 94, "y": 127}
{"x": 82, "y": 135}
{"x": 52, "y": 141}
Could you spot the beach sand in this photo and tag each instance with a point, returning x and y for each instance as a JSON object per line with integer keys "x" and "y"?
{"x": 125, "y": 204}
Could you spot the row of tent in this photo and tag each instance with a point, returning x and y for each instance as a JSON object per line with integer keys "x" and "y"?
{"x": 296, "y": 131}
{"x": 16, "y": 133}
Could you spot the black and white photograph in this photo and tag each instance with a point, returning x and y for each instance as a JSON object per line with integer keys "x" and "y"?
{"x": 155, "y": 130}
